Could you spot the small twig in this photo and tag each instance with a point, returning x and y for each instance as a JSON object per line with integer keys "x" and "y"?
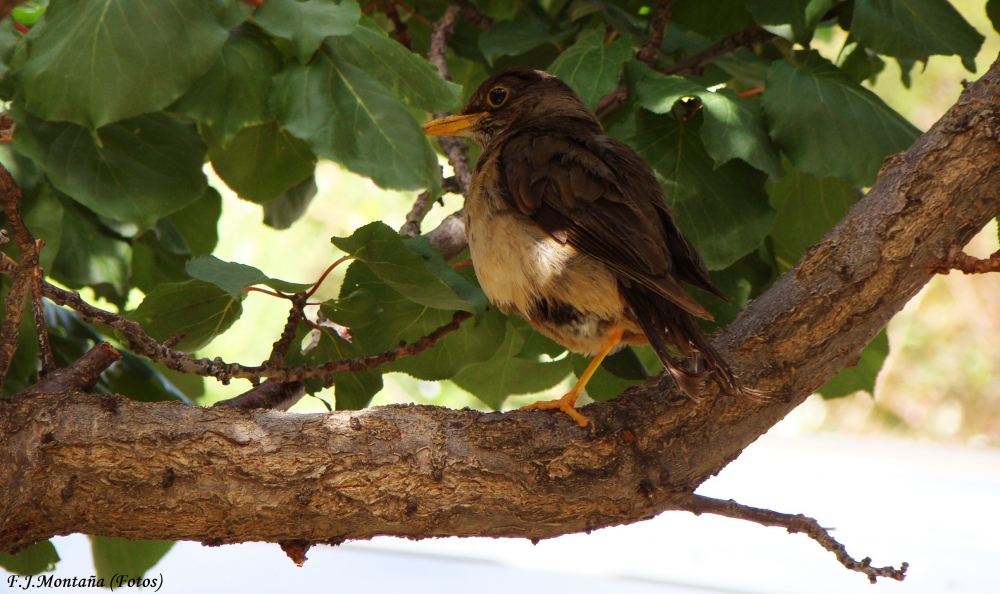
{"x": 398, "y": 24}
{"x": 271, "y": 395}
{"x": 281, "y": 346}
{"x": 455, "y": 148}
{"x": 368, "y": 7}
{"x": 416, "y": 15}
{"x": 959, "y": 260}
{"x": 421, "y": 206}
{"x": 752, "y": 92}
{"x": 698, "y": 504}
{"x": 277, "y": 294}
{"x": 38, "y": 311}
{"x": 650, "y": 49}
{"x": 458, "y": 265}
{"x": 750, "y": 36}
{"x": 82, "y": 374}
{"x": 326, "y": 273}
{"x": 470, "y": 13}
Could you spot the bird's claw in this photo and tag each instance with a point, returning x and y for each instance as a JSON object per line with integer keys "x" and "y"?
{"x": 565, "y": 404}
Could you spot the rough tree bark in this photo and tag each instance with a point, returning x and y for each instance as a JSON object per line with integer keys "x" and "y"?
{"x": 77, "y": 462}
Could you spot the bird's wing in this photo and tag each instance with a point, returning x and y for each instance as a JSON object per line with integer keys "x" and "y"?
{"x": 605, "y": 202}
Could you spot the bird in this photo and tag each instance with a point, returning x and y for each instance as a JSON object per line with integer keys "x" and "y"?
{"x": 568, "y": 228}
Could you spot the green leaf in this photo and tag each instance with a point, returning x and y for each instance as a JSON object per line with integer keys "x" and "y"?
{"x": 807, "y": 208}
{"x": 233, "y": 277}
{"x": 466, "y": 73}
{"x": 625, "y": 364}
{"x": 413, "y": 80}
{"x": 862, "y": 64}
{"x": 93, "y": 62}
{"x": 828, "y": 124}
{"x": 993, "y": 12}
{"x": 733, "y": 126}
{"x": 712, "y": 18}
{"x": 290, "y": 205}
{"x": 199, "y": 309}
{"x": 393, "y": 318}
{"x": 198, "y": 222}
{"x": 154, "y": 261}
{"x": 131, "y": 558}
{"x": 783, "y": 12}
{"x": 261, "y": 162}
{"x": 863, "y": 375}
{"x": 9, "y": 37}
{"x": 43, "y": 215}
{"x": 307, "y": 23}
{"x": 233, "y": 94}
{"x": 512, "y": 38}
{"x": 89, "y": 254}
{"x": 471, "y": 343}
{"x": 723, "y": 211}
{"x": 421, "y": 276}
{"x": 506, "y": 374}
{"x": 915, "y": 30}
{"x": 28, "y": 13}
{"x": 353, "y": 390}
{"x": 38, "y": 558}
{"x": 744, "y": 280}
{"x": 591, "y": 67}
{"x": 135, "y": 171}
{"x": 346, "y": 115}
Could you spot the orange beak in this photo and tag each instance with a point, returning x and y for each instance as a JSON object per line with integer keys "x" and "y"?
{"x": 456, "y": 125}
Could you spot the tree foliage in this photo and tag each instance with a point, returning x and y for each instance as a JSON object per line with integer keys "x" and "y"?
{"x": 119, "y": 104}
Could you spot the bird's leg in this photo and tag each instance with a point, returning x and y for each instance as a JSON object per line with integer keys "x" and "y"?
{"x": 568, "y": 402}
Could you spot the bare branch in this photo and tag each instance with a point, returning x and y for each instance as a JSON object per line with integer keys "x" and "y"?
{"x": 650, "y": 49}
{"x": 390, "y": 11}
{"x": 82, "y": 375}
{"x": 454, "y": 148}
{"x": 27, "y": 254}
{"x": 421, "y": 206}
{"x": 281, "y": 346}
{"x": 449, "y": 237}
{"x": 698, "y": 504}
{"x": 45, "y": 356}
{"x": 959, "y": 260}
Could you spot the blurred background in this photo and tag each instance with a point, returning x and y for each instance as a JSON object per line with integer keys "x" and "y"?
{"x": 911, "y": 474}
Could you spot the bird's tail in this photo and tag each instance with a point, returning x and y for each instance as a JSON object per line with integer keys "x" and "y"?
{"x": 665, "y": 323}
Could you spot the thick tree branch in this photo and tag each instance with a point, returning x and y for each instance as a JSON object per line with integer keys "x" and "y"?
{"x": 268, "y": 394}
{"x": 698, "y": 504}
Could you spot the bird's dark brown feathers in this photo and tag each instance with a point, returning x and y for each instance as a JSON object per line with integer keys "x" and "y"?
{"x": 596, "y": 194}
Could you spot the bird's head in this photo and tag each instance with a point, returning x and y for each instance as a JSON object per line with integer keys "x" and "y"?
{"x": 515, "y": 97}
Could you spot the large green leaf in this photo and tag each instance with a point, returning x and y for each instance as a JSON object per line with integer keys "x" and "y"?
{"x": 733, "y": 126}
{"x": 198, "y": 309}
{"x": 828, "y": 124}
{"x": 93, "y": 62}
{"x": 378, "y": 316}
{"x": 135, "y": 171}
{"x": 414, "y": 80}
{"x": 993, "y": 12}
{"x": 472, "y": 343}
{"x": 348, "y": 116}
{"x": 290, "y": 205}
{"x": 198, "y": 222}
{"x": 90, "y": 254}
{"x": 723, "y": 211}
{"x": 801, "y": 15}
{"x": 807, "y": 209}
{"x": 591, "y": 67}
{"x": 261, "y": 162}
{"x": 123, "y": 557}
{"x": 307, "y": 23}
{"x": 43, "y": 215}
{"x": 511, "y": 38}
{"x": 712, "y": 18}
{"x": 233, "y": 277}
{"x": 915, "y": 30}
{"x": 413, "y": 269}
{"x": 158, "y": 256}
{"x": 863, "y": 375}
{"x": 353, "y": 391}
{"x": 38, "y": 558}
{"x": 233, "y": 94}
{"x": 506, "y": 374}
{"x": 603, "y": 385}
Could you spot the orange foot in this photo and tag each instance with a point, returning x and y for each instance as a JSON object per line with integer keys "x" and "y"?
{"x": 565, "y": 404}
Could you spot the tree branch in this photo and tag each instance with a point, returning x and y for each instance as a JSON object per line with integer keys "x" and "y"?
{"x": 269, "y": 394}
{"x": 27, "y": 254}
{"x": 421, "y": 206}
{"x": 393, "y": 14}
{"x": 959, "y": 260}
{"x": 171, "y": 471}
{"x": 698, "y": 504}
{"x": 651, "y": 49}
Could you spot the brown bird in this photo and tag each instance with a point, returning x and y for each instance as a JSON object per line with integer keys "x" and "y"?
{"x": 568, "y": 228}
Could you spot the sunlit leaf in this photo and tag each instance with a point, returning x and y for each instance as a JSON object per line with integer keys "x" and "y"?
{"x": 306, "y": 23}
{"x": 828, "y": 124}
{"x": 233, "y": 277}
{"x": 198, "y": 309}
{"x": 510, "y": 38}
{"x": 123, "y": 557}
{"x": 348, "y": 116}
{"x": 93, "y": 62}
{"x": 38, "y": 558}
{"x": 592, "y": 67}
{"x": 863, "y": 375}
{"x": 353, "y": 391}
{"x": 261, "y": 162}
{"x": 135, "y": 171}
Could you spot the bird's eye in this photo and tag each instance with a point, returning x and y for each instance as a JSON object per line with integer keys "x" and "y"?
{"x": 497, "y": 96}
